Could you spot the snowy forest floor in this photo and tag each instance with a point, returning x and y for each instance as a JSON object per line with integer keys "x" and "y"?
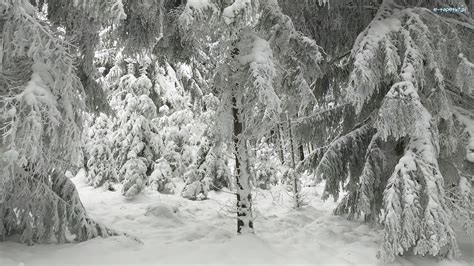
{"x": 178, "y": 231}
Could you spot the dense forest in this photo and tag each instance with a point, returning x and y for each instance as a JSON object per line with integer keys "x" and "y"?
{"x": 367, "y": 104}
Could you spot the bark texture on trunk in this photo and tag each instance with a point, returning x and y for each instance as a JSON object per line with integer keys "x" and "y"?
{"x": 244, "y": 196}
{"x": 280, "y": 145}
{"x": 301, "y": 152}
{"x": 296, "y": 193}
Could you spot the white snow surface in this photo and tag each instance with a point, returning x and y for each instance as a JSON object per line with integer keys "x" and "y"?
{"x": 178, "y": 231}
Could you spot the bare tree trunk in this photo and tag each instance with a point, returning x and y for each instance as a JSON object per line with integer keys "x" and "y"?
{"x": 293, "y": 163}
{"x": 244, "y": 196}
{"x": 296, "y": 193}
{"x": 280, "y": 145}
{"x": 301, "y": 152}
{"x": 300, "y": 148}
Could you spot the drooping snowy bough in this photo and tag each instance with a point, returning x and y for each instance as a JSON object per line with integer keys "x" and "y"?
{"x": 401, "y": 166}
{"x": 40, "y": 126}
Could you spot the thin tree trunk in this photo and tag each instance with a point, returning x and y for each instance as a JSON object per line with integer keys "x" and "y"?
{"x": 301, "y": 152}
{"x": 280, "y": 145}
{"x": 300, "y": 147}
{"x": 293, "y": 165}
{"x": 244, "y": 197}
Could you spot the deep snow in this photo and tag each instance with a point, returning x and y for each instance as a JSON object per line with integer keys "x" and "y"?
{"x": 178, "y": 231}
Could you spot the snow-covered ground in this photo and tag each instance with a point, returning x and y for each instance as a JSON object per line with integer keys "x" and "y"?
{"x": 178, "y": 231}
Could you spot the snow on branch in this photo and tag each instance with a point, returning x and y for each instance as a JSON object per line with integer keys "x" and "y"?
{"x": 402, "y": 113}
{"x": 467, "y": 120}
{"x": 329, "y": 122}
{"x": 240, "y": 8}
{"x": 415, "y": 211}
{"x": 371, "y": 180}
{"x": 368, "y": 55}
{"x": 398, "y": 45}
{"x": 465, "y": 75}
{"x": 312, "y": 160}
{"x": 299, "y": 57}
{"x": 194, "y": 11}
{"x": 111, "y": 10}
{"x": 257, "y": 59}
{"x": 343, "y": 159}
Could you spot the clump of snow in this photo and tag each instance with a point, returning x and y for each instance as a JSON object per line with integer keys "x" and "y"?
{"x": 37, "y": 90}
{"x": 163, "y": 210}
{"x": 194, "y": 10}
{"x": 232, "y": 11}
{"x": 164, "y": 109}
{"x": 184, "y": 71}
{"x": 261, "y": 53}
{"x": 11, "y": 155}
{"x": 198, "y": 4}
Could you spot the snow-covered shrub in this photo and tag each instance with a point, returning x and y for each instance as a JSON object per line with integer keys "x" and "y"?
{"x": 195, "y": 187}
{"x": 211, "y": 164}
{"x": 133, "y": 173}
{"x": 161, "y": 177}
{"x": 267, "y": 165}
{"x": 217, "y": 171}
{"x": 180, "y": 133}
{"x": 100, "y": 161}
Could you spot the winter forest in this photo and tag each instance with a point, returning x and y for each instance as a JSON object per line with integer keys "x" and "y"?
{"x": 316, "y": 132}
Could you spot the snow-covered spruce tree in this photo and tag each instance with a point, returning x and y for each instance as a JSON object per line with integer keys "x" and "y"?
{"x": 253, "y": 33}
{"x": 408, "y": 123}
{"x": 180, "y": 133}
{"x": 214, "y": 153}
{"x": 210, "y": 169}
{"x": 40, "y": 118}
{"x": 136, "y": 141}
{"x": 168, "y": 87}
{"x": 179, "y": 123}
{"x": 100, "y": 162}
{"x": 160, "y": 178}
{"x": 267, "y": 165}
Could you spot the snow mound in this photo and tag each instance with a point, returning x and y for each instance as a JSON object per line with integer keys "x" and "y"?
{"x": 162, "y": 210}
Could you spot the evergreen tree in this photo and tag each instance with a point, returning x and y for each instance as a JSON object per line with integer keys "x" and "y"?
{"x": 100, "y": 162}
{"x": 41, "y": 117}
{"x": 267, "y": 165}
{"x": 391, "y": 161}
{"x": 253, "y": 32}
{"x": 137, "y": 142}
{"x": 160, "y": 178}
